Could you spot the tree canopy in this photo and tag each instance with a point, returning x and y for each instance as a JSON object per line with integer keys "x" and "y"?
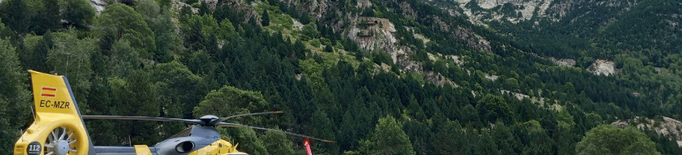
{"x": 608, "y": 139}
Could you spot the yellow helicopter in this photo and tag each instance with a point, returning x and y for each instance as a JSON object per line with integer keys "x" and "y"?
{"x": 58, "y": 128}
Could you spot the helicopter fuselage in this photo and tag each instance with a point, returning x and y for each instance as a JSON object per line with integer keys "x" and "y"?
{"x": 200, "y": 140}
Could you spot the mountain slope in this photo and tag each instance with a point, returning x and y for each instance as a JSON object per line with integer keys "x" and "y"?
{"x": 450, "y": 80}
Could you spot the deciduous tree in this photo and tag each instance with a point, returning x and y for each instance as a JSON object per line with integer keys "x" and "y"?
{"x": 389, "y": 138}
{"x": 277, "y": 143}
{"x": 78, "y": 13}
{"x": 608, "y": 139}
{"x": 71, "y": 57}
{"x": 124, "y": 23}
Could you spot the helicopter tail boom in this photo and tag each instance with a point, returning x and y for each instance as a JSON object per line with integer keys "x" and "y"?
{"x": 58, "y": 126}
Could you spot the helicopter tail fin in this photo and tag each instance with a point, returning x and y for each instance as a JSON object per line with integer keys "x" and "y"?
{"x": 58, "y": 125}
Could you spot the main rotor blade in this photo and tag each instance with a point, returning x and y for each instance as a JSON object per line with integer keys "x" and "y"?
{"x": 226, "y": 124}
{"x": 140, "y": 118}
{"x": 250, "y": 114}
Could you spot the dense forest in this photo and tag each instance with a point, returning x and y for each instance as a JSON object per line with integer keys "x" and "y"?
{"x": 189, "y": 58}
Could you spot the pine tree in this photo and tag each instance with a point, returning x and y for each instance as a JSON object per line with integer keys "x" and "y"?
{"x": 449, "y": 139}
{"x": 38, "y": 61}
{"x": 265, "y": 20}
{"x": 203, "y": 9}
{"x": 328, "y": 48}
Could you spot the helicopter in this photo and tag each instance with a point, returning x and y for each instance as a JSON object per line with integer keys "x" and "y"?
{"x": 59, "y": 129}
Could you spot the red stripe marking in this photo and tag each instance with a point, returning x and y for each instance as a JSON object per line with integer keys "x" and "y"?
{"x": 49, "y": 88}
{"x": 47, "y": 95}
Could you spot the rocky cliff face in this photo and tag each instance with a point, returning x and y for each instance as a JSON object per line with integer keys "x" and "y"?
{"x": 514, "y": 11}
{"x": 602, "y": 67}
{"x": 99, "y": 5}
{"x": 665, "y": 126}
{"x": 315, "y": 8}
{"x": 377, "y": 35}
{"x": 510, "y": 10}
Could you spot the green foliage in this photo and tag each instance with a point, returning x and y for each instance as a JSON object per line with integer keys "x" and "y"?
{"x": 368, "y": 12}
{"x": 14, "y": 97}
{"x": 328, "y": 48}
{"x": 265, "y": 18}
{"x": 78, "y": 13}
{"x": 389, "y": 138}
{"x": 247, "y": 140}
{"x": 203, "y": 9}
{"x": 315, "y": 43}
{"x": 5, "y": 32}
{"x": 124, "y": 60}
{"x": 414, "y": 110}
{"x": 14, "y": 15}
{"x": 277, "y": 143}
{"x": 493, "y": 108}
{"x": 310, "y": 31}
{"x": 201, "y": 33}
{"x": 137, "y": 63}
{"x": 46, "y": 18}
{"x": 126, "y": 24}
{"x": 450, "y": 139}
{"x": 135, "y": 96}
{"x": 229, "y": 100}
{"x": 379, "y": 57}
{"x": 160, "y": 22}
{"x": 71, "y": 57}
{"x": 608, "y": 139}
{"x": 178, "y": 88}
{"x": 37, "y": 60}
{"x": 227, "y": 26}
{"x": 321, "y": 126}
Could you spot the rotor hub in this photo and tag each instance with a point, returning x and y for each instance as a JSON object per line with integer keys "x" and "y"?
{"x": 209, "y": 120}
{"x": 59, "y": 142}
{"x": 62, "y": 147}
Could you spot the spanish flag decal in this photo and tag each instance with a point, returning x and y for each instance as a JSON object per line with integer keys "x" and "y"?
{"x": 49, "y": 92}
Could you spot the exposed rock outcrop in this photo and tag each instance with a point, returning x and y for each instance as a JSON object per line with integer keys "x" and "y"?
{"x": 314, "y": 8}
{"x": 177, "y": 5}
{"x": 241, "y": 6}
{"x": 99, "y": 5}
{"x": 376, "y": 34}
{"x": 520, "y": 9}
{"x": 666, "y": 126}
{"x": 481, "y": 11}
{"x": 602, "y": 67}
{"x": 563, "y": 62}
{"x": 364, "y": 4}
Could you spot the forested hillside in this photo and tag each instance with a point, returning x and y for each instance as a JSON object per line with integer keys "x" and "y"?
{"x": 375, "y": 76}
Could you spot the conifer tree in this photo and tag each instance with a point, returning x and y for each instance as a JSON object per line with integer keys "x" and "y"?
{"x": 265, "y": 20}
{"x": 38, "y": 61}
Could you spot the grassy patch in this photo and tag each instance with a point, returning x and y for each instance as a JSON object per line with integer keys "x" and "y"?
{"x": 279, "y": 21}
